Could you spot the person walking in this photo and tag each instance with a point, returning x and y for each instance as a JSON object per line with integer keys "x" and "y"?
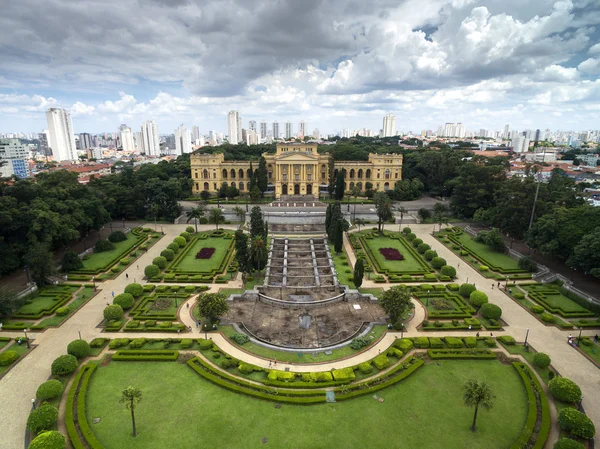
{"x": 477, "y": 334}
{"x": 126, "y": 275}
{"x": 190, "y": 328}
{"x": 569, "y": 338}
{"x": 197, "y": 323}
{"x": 498, "y": 285}
{"x": 492, "y": 286}
{"x": 187, "y": 305}
{"x": 469, "y": 328}
{"x": 113, "y": 294}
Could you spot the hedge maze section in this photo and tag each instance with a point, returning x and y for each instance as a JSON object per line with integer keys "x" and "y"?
{"x": 46, "y": 302}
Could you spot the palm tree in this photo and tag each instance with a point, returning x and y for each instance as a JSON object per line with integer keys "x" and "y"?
{"x": 216, "y": 216}
{"x": 439, "y": 209}
{"x": 241, "y": 214}
{"x": 258, "y": 252}
{"x": 359, "y": 222}
{"x": 131, "y": 396}
{"x": 195, "y": 214}
{"x": 476, "y": 394}
{"x": 402, "y": 211}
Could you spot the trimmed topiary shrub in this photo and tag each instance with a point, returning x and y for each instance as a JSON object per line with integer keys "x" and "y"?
{"x": 576, "y": 423}
{"x": 564, "y": 390}
{"x": 117, "y": 236}
{"x": 125, "y": 300}
{"x": 168, "y": 254}
{"x": 478, "y": 298}
{"x": 423, "y": 247}
{"x": 416, "y": 242}
{"x": 438, "y": 262}
{"x": 42, "y": 418}
{"x": 537, "y": 309}
{"x": 547, "y": 317}
{"x": 49, "y": 440}
{"x": 49, "y": 390}
{"x": 449, "y": 271}
{"x": 135, "y": 289}
{"x": 63, "y": 365}
{"x": 160, "y": 262}
{"x": 8, "y": 357}
{"x": 541, "y": 360}
{"x": 406, "y": 230}
{"x": 568, "y": 443}
{"x": 491, "y": 311}
{"x": 113, "y": 312}
{"x": 62, "y": 311}
{"x": 465, "y": 290}
{"x": 186, "y": 236}
{"x": 484, "y": 268}
{"x": 79, "y": 348}
{"x": 151, "y": 271}
{"x": 173, "y": 247}
{"x": 403, "y": 344}
{"x": 180, "y": 241}
{"x": 190, "y": 229}
{"x": 430, "y": 254}
{"x": 103, "y": 245}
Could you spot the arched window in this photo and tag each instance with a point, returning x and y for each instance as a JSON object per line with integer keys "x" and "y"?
{"x": 205, "y": 174}
{"x": 368, "y": 173}
{"x": 241, "y": 186}
{"x": 224, "y": 184}
{"x": 206, "y": 186}
{"x": 232, "y": 173}
{"x": 241, "y": 172}
{"x": 387, "y": 173}
{"x": 224, "y": 174}
{"x": 386, "y": 186}
{"x": 233, "y": 184}
{"x": 351, "y": 185}
{"x": 249, "y": 174}
{"x": 359, "y": 185}
{"x": 344, "y": 173}
{"x": 195, "y": 174}
{"x": 360, "y": 173}
{"x": 352, "y": 173}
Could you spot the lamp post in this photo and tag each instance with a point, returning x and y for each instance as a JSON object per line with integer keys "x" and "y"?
{"x": 526, "y": 335}
{"x": 506, "y": 283}
{"x": 33, "y": 404}
{"x": 428, "y": 298}
{"x": 79, "y": 332}
{"x": 94, "y": 282}
{"x": 26, "y": 269}
{"x": 26, "y": 339}
{"x": 354, "y": 212}
{"x": 579, "y": 338}
{"x": 161, "y": 230}
{"x": 111, "y": 228}
{"x": 402, "y": 331}
{"x": 348, "y": 204}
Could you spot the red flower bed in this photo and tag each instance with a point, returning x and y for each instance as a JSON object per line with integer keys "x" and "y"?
{"x": 391, "y": 254}
{"x": 205, "y": 253}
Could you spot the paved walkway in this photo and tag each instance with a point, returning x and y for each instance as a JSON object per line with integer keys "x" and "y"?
{"x": 19, "y": 385}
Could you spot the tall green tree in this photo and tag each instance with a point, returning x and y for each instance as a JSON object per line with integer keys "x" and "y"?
{"x": 262, "y": 180}
{"x": 401, "y": 210}
{"x": 212, "y": 306}
{"x": 339, "y": 185}
{"x": 257, "y": 225}
{"x": 586, "y": 255}
{"x": 131, "y": 396}
{"x": 240, "y": 214}
{"x": 242, "y": 252}
{"x": 338, "y": 236}
{"x": 328, "y": 216}
{"x": 39, "y": 259}
{"x": 477, "y": 394}
{"x": 439, "y": 212}
{"x": 396, "y": 302}
{"x": 475, "y": 187}
{"x": 383, "y": 207}
{"x": 259, "y": 253}
{"x": 359, "y": 222}
{"x": 359, "y": 271}
{"x": 331, "y": 172}
{"x": 196, "y": 214}
{"x": 216, "y": 217}
{"x": 253, "y": 179}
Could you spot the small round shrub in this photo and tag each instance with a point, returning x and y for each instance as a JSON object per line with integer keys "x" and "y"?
{"x": 42, "y": 418}
{"x": 103, "y": 245}
{"x": 173, "y": 247}
{"x": 49, "y": 440}
{"x": 134, "y": 289}
{"x": 151, "y": 271}
{"x": 423, "y": 247}
{"x": 79, "y": 348}
{"x": 160, "y": 262}
{"x": 62, "y": 311}
{"x": 478, "y": 298}
{"x": 417, "y": 242}
{"x": 406, "y": 231}
{"x": 537, "y": 309}
{"x": 63, "y": 365}
{"x": 180, "y": 241}
{"x": 438, "y": 262}
{"x": 541, "y": 360}
{"x": 203, "y": 220}
{"x": 576, "y": 423}
{"x": 564, "y": 390}
{"x": 465, "y": 290}
{"x": 518, "y": 295}
{"x": 568, "y": 443}
{"x": 186, "y": 236}
{"x": 190, "y": 229}
{"x": 49, "y": 390}
{"x": 168, "y": 254}
{"x": 113, "y": 312}
{"x": 547, "y": 317}
{"x": 125, "y": 300}
{"x": 430, "y": 254}
{"x": 7, "y": 357}
{"x": 491, "y": 311}
{"x": 484, "y": 268}
{"x": 117, "y": 236}
{"x": 410, "y": 237}
{"x": 449, "y": 271}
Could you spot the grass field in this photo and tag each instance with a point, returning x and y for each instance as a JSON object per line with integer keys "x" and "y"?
{"x": 191, "y": 264}
{"x": 180, "y": 409}
{"x": 496, "y": 258}
{"x": 20, "y": 349}
{"x": 80, "y": 298}
{"x": 100, "y": 260}
{"x": 555, "y": 299}
{"x": 340, "y": 268}
{"x": 409, "y": 264}
{"x": 593, "y": 351}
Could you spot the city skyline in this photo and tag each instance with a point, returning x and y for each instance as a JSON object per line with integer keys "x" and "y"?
{"x": 482, "y": 63}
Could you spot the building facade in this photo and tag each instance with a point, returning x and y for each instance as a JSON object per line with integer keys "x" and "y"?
{"x": 389, "y": 125}
{"x": 150, "y": 142}
{"x": 183, "y": 140}
{"x": 60, "y": 135}
{"x": 13, "y": 159}
{"x": 295, "y": 169}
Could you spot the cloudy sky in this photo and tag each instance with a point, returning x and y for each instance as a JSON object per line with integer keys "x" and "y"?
{"x": 333, "y": 63}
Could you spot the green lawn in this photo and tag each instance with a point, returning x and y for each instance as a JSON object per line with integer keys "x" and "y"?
{"x": 297, "y": 357}
{"x": 20, "y": 349}
{"x": 528, "y": 355}
{"x": 191, "y": 264}
{"x": 554, "y": 299}
{"x": 340, "y": 268}
{"x": 593, "y": 351}
{"x": 495, "y": 258}
{"x": 180, "y": 409}
{"x": 377, "y": 292}
{"x": 82, "y": 297}
{"x": 410, "y": 264}
{"x": 98, "y": 261}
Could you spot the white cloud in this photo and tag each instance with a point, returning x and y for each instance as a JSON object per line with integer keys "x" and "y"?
{"x": 82, "y": 109}
{"x": 590, "y": 66}
{"x": 594, "y": 49}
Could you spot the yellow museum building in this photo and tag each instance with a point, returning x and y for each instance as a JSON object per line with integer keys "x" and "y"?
{"x": 295, "y": 169}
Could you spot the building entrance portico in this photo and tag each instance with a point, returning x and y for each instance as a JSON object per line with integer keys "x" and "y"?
{"x": 296, "y": 189}
{"x": 284, "y": 189}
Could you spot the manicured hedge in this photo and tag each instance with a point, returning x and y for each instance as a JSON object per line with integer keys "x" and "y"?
{"x": 480, "y": 353}
{"x": 79, "y": 348}
{"x": 157, "y": 355}
{"x": 576, "y": 423}
{"x": 564, "y": 390}
{"x": 50, "y": 439}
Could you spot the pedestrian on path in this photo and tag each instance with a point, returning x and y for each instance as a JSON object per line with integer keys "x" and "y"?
{"x": 469, "y": 330}
{"x": 113, "y": 294}
{"x": 197, "y": 323}
{"x": 105, "y": 296}
{"x": 127, "y": 275}
{"x": 190, "y": 328}
{"x": 179, "y": 331}
{"x": 187, "y": 305}
{"x": 138, "y": 267}
{"x": 491, "y": 335}
{"x": 269, "y": 364}
{"x": 492, "y": 286}
{"x": 477, "y": 334}
{"x": 498, "y": 285}
{"x": 570, "y": 338}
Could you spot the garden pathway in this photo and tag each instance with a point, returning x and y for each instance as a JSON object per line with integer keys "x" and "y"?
{"x": 19, "y": 385}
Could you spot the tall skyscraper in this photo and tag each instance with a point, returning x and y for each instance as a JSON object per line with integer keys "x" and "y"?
{"x": 302, "y": 127}
{"x": 252, "y": 125}
{"x": 126, "y": 138}
{"x": 61, "y": 136}
{"x": 183, "y": 140}
{"x": 43, "y": 147}
{"x": 538, "y": 134}
{"x": 289, "y": 130}
{"x": 506, "y": 134}
{"x": 150, "y": 141}
{"x": 13, "y": 159}
{"x": 195, "y": 135}
{"x": 520, "y": 143}
{"x": 263, "y": 130}
{"x": 389, "y": 125}
{"x": 234, "y": 128}
{"x": 275, "y": 130}
{"x": 85, "y": 141}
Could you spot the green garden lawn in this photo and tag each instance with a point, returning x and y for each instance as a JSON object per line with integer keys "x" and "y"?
{"x": 101, "y": 260}
{"x": 408, "y": 265}
{"x": 556, "y": 300}
{"x": 191, "y": 264}
{"x": 488, "y": 255}
{"x": 180, "y": 410}
{"x": 340, "y": 268}
{"x": 39, "y": 302}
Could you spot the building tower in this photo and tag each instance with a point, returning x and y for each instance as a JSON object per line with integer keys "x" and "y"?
{"x": 195, "y": 135}
{"x": 150, "y": 142}
{"x": 302, "y": 127}
{"x": 183, "y": 140}
{"x": 389, "y": 125}
{"x": 126, "y": 138}
{"x": 234, "y": 129}
{"x": 263, "y": 130}
{"x": 289, "y": 130}
{"x": 275, "y": 130}
{"x": 60, "y": 134}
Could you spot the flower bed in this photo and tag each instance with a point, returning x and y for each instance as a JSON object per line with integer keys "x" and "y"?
{"x": 391, "y": 254}
{"x": 205, "y": 253}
